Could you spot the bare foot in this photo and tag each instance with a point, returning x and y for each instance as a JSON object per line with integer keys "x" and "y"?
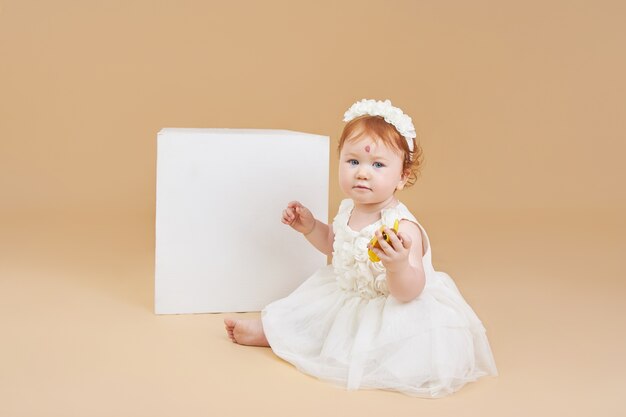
{"x": 246, "y": 332}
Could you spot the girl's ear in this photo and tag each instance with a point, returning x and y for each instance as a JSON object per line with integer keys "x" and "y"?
{"x": 403, "y": 180}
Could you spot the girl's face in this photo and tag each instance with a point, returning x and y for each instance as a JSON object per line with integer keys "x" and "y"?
{"x": 370, "y": 171}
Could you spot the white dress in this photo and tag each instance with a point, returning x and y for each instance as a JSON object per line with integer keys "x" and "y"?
{"x": 341, "y": 325}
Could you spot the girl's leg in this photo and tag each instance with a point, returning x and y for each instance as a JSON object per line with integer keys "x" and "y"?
{"x": 246, "y": 332}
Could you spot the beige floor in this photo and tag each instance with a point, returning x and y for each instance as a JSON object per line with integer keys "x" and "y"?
{"x": 79, "y": 337}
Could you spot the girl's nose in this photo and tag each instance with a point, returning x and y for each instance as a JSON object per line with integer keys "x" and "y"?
{"x": 362, "y": 173}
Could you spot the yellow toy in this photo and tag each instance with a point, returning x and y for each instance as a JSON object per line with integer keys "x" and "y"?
{"x": 375, "y": 244}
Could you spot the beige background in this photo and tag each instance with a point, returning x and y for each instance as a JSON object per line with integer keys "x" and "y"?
{"x": 520, "y": 109}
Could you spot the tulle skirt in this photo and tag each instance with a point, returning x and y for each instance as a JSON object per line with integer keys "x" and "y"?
{"x": 428, "y": 347}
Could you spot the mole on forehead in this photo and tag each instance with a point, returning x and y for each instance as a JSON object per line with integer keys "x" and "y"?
{"x": 370, "y": 147}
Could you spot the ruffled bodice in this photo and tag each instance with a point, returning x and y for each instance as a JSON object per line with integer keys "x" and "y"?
{"x": 354, "y": 270}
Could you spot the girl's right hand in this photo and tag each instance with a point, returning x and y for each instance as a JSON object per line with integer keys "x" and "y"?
{"x": 299, "y": 217}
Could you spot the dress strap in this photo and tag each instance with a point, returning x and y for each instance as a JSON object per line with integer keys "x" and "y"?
{"x": 342, "y": 213}
{"x": 345, "y": 206}
{"x": 401, "y": 212}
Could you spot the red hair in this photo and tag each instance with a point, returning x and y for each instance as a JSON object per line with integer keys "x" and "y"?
{"x": 378, "y": 128}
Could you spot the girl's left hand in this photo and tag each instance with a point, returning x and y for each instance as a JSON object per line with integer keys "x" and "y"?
{"x": 393, "y": 255}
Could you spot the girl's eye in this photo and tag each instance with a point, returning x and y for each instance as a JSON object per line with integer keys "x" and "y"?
{"x": 353, "y": 162}
{"x": 378, "y": 165}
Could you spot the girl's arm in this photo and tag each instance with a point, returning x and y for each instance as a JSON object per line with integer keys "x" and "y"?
{"x": 403, "y": 261}
{"x": 322, "y": 237}
{"x": 317, "y": 233}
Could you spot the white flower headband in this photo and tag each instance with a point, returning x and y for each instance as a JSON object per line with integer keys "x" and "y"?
{"x": 393, "y": 115}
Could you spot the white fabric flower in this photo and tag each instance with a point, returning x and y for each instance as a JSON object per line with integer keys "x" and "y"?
{"x": 377, "y": 266}
{"x": 381, "y": 284}
{"x": 393, "y": 115}
{"x": 360, "y": 249}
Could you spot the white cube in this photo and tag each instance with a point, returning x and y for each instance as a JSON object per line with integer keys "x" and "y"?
{"x": 220, "y": 244}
